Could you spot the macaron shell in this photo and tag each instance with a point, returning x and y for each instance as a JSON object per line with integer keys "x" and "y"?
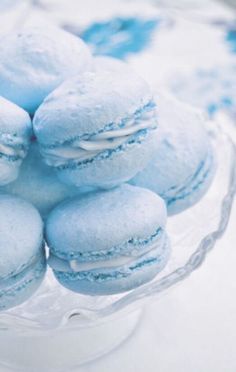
{"x": 15, "y": 133}
{"x": 17, "y": 292}
{"x": 87, "y": 104}
{"x": 9, "y": 171}
{"x": 14, "y": 121}
{"x": 21, "y": 235}
{"x": 182, "y": 144}
{"x": 183, "y": 147}
{"x": 35, "y": 60}
{"x": 102, "y": 220}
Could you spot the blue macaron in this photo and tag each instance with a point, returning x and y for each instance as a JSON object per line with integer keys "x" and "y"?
{"x": 15, "y": 133}
{"x": 35, "y": 60}
{"x": 98, "y": 129}
{"x": 22, "y": 255}
{"x": 184, "y": 165}
{"x": 38, "y": 184}
{"x": 109, "y": 241}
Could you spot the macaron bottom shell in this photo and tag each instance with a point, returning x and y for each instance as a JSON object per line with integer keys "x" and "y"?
{"x": 9, "y": 170}
{"x": 20, "y": 287}
{"x": 191, "y": 193}
{"x": 112, "y": 167}
{"x": 108, "y": 281}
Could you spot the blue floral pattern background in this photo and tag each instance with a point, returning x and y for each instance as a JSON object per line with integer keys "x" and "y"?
{"x": 212, "y": 90}
{"x": 119, "y": 37}
{"x": 231, "y": 38}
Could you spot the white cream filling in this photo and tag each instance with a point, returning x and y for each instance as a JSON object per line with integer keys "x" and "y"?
{"x": 77, "y": 266}
{"x": 10, "y": 151}
{"x": 83, "y": 150}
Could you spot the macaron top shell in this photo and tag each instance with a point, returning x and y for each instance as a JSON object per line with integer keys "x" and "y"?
{"x": 103, "y": 220}
{"x": 15, "y": 122}
{"x": 35, "y": 60}
{"x": 90, "y": 104}
{"x": 21, "y": 234}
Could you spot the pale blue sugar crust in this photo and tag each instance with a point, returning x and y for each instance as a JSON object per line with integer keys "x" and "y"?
{"x": 36, "y": 60}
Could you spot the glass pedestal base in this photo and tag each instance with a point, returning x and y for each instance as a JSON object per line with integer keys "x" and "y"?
{"x": 65, "y": 350}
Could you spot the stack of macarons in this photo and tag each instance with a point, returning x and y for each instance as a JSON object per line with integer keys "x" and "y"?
{"x": 86, "y": 148}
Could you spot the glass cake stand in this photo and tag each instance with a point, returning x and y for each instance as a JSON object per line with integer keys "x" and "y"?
{"x": 58, "y": 330}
